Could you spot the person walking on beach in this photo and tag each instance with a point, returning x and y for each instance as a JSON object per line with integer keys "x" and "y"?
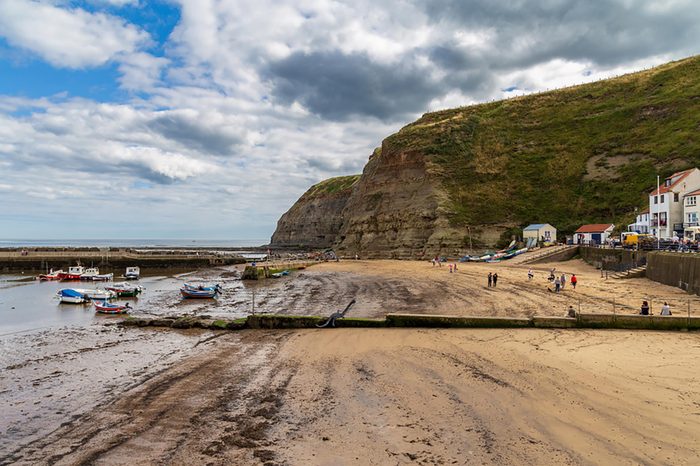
{"x": 490, "y": 279}
{"x": 574, "y": 280}
{"x": 450, "y": 266}
{"x": 455, "y": 266}
{"x": 665, "y": 309}
{"x": 645, "y": 309}
{"x": 530, "y": 275}
{"x": 557, "y": 285}
{"x": 563, "y": 281}
{"x": 495, "y": 279}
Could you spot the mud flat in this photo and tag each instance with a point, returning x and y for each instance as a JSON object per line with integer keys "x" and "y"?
{"x": 403, "y": 396}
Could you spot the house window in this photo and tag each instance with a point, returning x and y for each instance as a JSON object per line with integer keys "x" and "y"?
{"x": 675, "y": 197}
{"x": 662, "y": 198}
{"x": 656, "y": 199}
{"x": 693, "y": 217}
{"x": 668, "y": 182}
{"x": 690, "y": 200}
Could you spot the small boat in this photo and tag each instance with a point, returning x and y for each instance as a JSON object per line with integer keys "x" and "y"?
{"x": 103, "y": 277}
{"x": 74, "y": 273}
{"x": 124, "y": 289}
{"x": 280, "y": 274}
{"x": 69, "y": 295}
{"x": 189, "y": 291}
{"x": 51, "y": 275}
{"x": 96, "y": 293}
{"x": 132, "y": 273}
{"x": 103, "y": 307}
{"x": 89, "y": 273}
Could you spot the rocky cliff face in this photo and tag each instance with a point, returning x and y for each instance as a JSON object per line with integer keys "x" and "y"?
{"x": 316, "y": 218}
{"x": 474, "y": 175}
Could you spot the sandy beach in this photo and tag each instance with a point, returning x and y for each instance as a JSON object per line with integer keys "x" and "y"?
{"x": 404, "y": 396}
{"x": 381, "y": 396}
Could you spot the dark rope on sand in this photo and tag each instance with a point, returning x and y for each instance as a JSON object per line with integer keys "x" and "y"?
{"x": 336, "y": 315}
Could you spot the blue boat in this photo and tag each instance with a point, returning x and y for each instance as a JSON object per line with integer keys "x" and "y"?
{"x": 201, "y": 291}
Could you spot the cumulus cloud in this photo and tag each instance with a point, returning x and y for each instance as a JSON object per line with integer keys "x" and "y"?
{"x": 249, "y": 102}
{"x": 72, "y": 38}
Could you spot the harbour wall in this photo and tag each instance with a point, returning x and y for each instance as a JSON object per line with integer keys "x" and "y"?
{"x": 612, "y": 259}
{"x": 40, "y": 262}
{"x": 675, "y": 269}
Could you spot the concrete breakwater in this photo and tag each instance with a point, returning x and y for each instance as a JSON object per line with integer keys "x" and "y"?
{"x": 617, "y": 259}
{"x": 675, "y": 269}
{"x": 41, "y": 261}
{"x": 266, "y": 321}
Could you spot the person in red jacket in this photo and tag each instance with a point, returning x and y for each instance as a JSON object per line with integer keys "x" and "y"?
{"x": 573, "y": 281}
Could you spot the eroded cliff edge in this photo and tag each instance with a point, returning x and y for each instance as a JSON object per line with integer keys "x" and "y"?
{"x": 585, "y": 154}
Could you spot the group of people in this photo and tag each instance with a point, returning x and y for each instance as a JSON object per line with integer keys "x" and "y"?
{"x": 559, "y": 281}
{"x": 493, "y": 279}
{"x": 646, "y": 311}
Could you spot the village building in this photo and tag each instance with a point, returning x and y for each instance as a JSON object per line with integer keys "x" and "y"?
{"x": 691, "y": 213}
{"x": 666, "y": 203}
{"x": 539, "y": 232}
{"x": 597, "y": 233}
{"x": 641, "y": 224}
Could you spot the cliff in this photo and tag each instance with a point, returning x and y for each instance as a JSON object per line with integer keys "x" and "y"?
{"x": 315, "y": 219}
{"x": 585, "y": 154}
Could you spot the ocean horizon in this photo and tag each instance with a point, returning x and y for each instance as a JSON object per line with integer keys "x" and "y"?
{"x": 133, "y": 243}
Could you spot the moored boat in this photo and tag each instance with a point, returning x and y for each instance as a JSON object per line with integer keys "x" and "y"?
{"x": 132, "y": 273}
{"x": 103, "y": 307}
{"x": 96, "y": 293}
{"x": 201, "y": 291}
{"x": 89, "y": 273}
{"x": 69, "y": 295}
{"x": 103, "y": 277}
{"x": 124, "y": 289}
{"x": 51, "y": 275}
{"x": 73, "y": 273}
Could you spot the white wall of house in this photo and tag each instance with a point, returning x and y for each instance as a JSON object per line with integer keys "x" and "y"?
{"x": 691, "y": 215}
{"x": 587, "y": 238}
{"x": 666, "y": 209}
{"x": 545, "y": 233}
{"x": 641, "y": 224}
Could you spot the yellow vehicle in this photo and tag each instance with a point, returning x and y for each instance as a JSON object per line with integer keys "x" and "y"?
{"x": 631, "y": 239}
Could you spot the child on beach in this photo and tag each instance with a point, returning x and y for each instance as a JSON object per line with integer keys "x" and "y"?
{"x": 574, "y": 280}
{"x": 563, "y": 281}
{"x": 530, "y": 275}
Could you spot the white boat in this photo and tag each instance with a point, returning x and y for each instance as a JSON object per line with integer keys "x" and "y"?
{"x": 96, "y": 293}
{"x": 69, "y": 295}
{"x": 89, "y": 273}
{"x": 103, "y": 277}
{"x": 132, "y": 273}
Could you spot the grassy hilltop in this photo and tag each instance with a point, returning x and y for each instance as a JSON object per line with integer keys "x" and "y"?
{"x": 582, "y": 154}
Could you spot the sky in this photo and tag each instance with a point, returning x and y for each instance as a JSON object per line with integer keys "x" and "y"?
{"x": 207, "y": 119}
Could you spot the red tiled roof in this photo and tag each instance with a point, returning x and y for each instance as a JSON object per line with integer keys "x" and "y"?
{"x": 681, "y": 176}
{"x": 644, "y": 211}
{"x": 594, "y": 228}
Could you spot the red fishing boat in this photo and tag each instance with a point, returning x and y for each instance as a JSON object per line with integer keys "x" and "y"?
{"x": 103, "y": 307}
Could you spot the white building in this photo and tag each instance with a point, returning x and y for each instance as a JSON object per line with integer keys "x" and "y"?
{"x": 691, "y": 214}
{"x": 666, "y": 203}
{"x": 641, "y": 224}
{"x": 539, "y": 232}
{"x": 597, "y": 233}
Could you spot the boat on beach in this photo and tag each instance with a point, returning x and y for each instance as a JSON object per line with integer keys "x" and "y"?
{"x": 96, "y": 293}
{"x": 132, "y": 273}
{"x": 124, "y": 289}
{"x": 69, "y": 295}
{"x": 103, "y": 307}
{"x": 200, "y": 291}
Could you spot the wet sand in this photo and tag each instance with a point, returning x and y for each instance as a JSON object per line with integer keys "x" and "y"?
{"x": 404, "y": 396}
{"x": 376, "y": 396}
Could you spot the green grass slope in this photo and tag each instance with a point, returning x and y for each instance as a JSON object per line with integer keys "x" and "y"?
{"x": 582, "y": 154}
{"x": 331, "y": 186}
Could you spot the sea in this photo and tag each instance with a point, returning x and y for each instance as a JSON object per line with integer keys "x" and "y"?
{"x": 133, "y": 243}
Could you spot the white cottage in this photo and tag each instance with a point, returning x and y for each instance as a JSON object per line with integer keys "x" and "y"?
{"x": 597, "y": 233}
{"x": 666, "y": 203}
{"x": 641, "y": 224}
{"x": 691, "y": 214}
{"x": 539, "y": 232}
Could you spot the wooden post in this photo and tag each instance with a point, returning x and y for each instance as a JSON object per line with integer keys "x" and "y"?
{"x": 253, "y": 302}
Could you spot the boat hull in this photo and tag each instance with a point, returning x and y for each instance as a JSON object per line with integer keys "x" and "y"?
{"x": 198, "y": 294}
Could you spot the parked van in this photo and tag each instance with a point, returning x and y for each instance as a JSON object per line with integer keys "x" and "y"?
{"x": 630, "y": 239}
